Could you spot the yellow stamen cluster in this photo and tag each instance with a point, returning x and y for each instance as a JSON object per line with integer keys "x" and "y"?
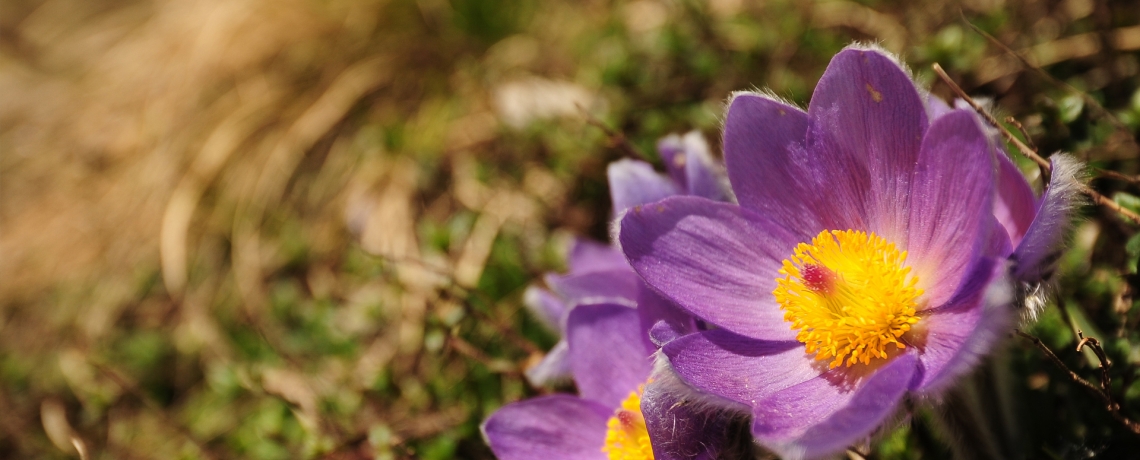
{"x": 626, "y": 435}
{"x": 849, "y": 296}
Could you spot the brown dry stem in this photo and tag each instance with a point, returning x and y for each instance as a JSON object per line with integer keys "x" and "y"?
{"x": 1028, "y": 152}
{"x": 1089, "y": 101}
{"x": 614, "y": 138}
{"x": 1102, "y": 392}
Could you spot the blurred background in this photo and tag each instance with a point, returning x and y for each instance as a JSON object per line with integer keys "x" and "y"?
{"x": 301, "y": 228}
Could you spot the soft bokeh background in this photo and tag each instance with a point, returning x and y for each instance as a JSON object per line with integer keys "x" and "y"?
{"x": 301, "y": 228}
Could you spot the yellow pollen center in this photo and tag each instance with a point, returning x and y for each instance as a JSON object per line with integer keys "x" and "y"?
{"x": 849, "y": 296}
{"x": 626, "y": 435}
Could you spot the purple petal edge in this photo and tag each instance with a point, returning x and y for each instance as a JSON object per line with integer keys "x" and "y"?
{"x": 803, "y": 434}
{"x": 634, "y": 182}
{"x": 1035, "y": 259}
{"x": 549, "y": 427}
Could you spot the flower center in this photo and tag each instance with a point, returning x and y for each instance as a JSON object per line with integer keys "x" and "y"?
{"x": 849, "y": 296}
{"x": 626, "y": 435}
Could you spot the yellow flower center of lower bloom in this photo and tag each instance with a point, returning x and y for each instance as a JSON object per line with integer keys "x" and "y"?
{"x": 849, "y": 296}
{"x": 626, "y": 435}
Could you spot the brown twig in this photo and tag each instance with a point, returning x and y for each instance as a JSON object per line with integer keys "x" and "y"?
{"x": 465, "y": 348}
{"x": 1105, "y": 397}
{"x": 616, "y": 139}
{"x": 1021, "y": 147}
{"x": 1118, "y": 176}
{"x": 1028, "y": 152}
{"x": 1024, "y": 133}
{"x": 1108, "y": 203}
{"x": 1092, "y": 342}
{"x": 1088, "y": 100}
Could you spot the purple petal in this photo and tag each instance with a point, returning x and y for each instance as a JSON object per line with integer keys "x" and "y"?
{"x": 875, "y": 114}
{"x": 588, "y": 256}
{"x": 716, "y": 260}
{"x": 672, "y": 151}
{"x": 1015, "y": 205}
{"x": 950, "y": 201}
{"x": 635, "y": 182}
{"x": 554, "y": 367}
{"x": 661, "y": 320}
{"x": 546, "y": 307}
{"x": 1036, "y": 257}
{"x": 684, "y": 428}
{"x": 550, "y": 427}
{"x": 738, "y": 368}
{"x": 824, "y": 415}
{"x": 703, "y": 176}
{"x": 615, "y": 286}
{"x": 935, "y": 107}
{"x": 608, "y": 356}
{"x": 766, "y": 161}
{"x": 952, "y": 340}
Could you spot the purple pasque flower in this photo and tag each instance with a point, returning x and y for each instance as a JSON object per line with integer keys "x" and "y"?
{"x": 599, "y": 273}
{"x": 610, "y": 364}
{"x": 691, "y": 170}
{"x": 866, "y": 261}
{"x": 599, "y": 277}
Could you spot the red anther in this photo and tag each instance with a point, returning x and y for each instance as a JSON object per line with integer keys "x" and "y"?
{"x": 818, "y": 278}
{"x": 628, "y": 419}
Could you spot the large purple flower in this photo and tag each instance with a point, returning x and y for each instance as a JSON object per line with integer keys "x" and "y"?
{"x": 867, "y": 259}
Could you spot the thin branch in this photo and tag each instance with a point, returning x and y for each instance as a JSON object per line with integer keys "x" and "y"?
{"x": 1024, "y": 133}
{"x": 1102, "y": 393}
{"x": 1021, "y": 147}
{"x": 1089, "y": 101}
{"x": 616, "y": 139}
{"x": 465, "y": 348}
{"x": 1057, "y": 361}
{"x": 1107, "y": 173}
{"x": 1092, "y": 342}
{"x": 1108, "y": 203}
{"x": 1028, "y": 152}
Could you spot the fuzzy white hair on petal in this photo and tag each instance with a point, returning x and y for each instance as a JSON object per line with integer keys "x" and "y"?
{"x": 1045, "y": 240}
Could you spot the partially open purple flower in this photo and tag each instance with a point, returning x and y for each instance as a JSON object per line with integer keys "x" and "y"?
{"x": 607, "y": 344}
{"x": 691, "y": 171}
{"x": 599, "y": 273}
{"x": 610, "y": 365}
{"x": 866, "y": 261}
